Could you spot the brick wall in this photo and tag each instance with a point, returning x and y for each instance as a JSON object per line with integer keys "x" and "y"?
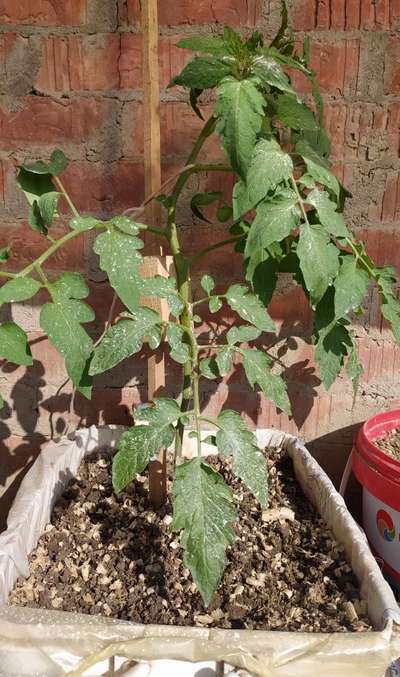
{"x": 71, "y": 77}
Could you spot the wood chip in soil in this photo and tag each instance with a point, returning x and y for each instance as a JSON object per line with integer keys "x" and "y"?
{"x": 116, "y": 556}
{"x": 390, "y": 444}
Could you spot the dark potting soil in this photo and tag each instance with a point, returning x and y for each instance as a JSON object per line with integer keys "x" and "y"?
{"x": 116, "y": 556}
{"x": 390, "y": 444}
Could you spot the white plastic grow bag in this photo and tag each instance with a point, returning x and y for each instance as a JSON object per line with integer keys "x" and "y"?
{"x": 52, "y": 643}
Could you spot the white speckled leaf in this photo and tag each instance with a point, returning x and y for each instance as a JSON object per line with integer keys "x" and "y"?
{"x": 249, "y": 307}
{"x": 119, "y": 258}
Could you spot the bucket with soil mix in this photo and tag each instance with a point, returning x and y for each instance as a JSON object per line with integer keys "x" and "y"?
{"x": 376, "y": 465}
{"x": 89, "y": 575}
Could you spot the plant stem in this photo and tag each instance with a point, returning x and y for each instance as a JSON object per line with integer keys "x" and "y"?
{"x": 66, "y": 196}
{"x": 50, "y": 251}
{"x": 217, "y": 245}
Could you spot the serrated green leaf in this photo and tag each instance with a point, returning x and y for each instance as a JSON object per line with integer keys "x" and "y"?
{"x": 83, "y": 223}
{"x": 35, "y": 219}
{"x": 224, "y": 361}
{"x": 318, "y": 167}
{"x": 257, "y": 366}
{"x": 202, "y": 72}
{"x": 269, "y": 166}
{"x": 14, "y": 345}
{"x": 203, "y": 512}
{"x": 62, "y": 320}
{"x": 249, "y": 307}
{"x": 19, "y": 289}
{"x": 125, "y": 224}
{"x": 70, "y": 285}
{"x": 307, "y": 181}
{"x": 351, "y": 286}
{"x": 330, "y": 352}
{"x": 240, "y": 200}
{"x": 236, "y": 440}
{"x": 180, "y": 351}
{"x": 207, "y": 283}
{"x": 390, "y": 310}
{"x": 123, "y": 340}
{"x": 240, "y": 112}
{"x": 354, "y": 368}
{"x": 273, "y": 222}
{"x": 243, "y": 334}
{"x": 261, "y": 271}
{"x": 224, "y": 213}
{"x": 209, "y": 368}
{"x": 140, "y": 444}
{"x": 215, "y": 304}
{"x": 295, "y": 114}
{"x": 120, "y": 259}
{"x": 270, "y": 73}
{"x": 319, "y": 260}
{"x": 332, "y": 220}
{"x": 210, "y": 44}
{"x": 234, "y": 44}
{"x": 164, "y": 287}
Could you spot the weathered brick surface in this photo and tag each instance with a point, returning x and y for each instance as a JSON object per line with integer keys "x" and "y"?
{"x": 70, "y": 76}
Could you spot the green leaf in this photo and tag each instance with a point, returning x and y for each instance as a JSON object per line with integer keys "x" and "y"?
{"x": 83, "y": 223}
{"x": 224, "y": 361}
{"x": 209, "y": 368}
{"x": 240, "y": 200}
{"x": 203, "y": 512}
{"x": 35, "y": 219}
{"x": 4, "y": 254}
{"x": 57, "y": 164}
{"x": 235, "y": 439}
{"x": 268, "y": 167}
{"x": 180, "y": 351}
{"x": 70, "y": 285}
{"x": 202, "y": 72}
{"x": 295, "y": 114}
{"x": 270, "y": 73}
{"x": 273, "y": 222}
{"x": 332, "y": 221}
{"x": 203, "y": 200}
{"x": 249, "y": 307}
{"x": 207, "y": 283}
{"x": 243, "y": 334}
{"x": 215, "y": 304}
{"x": 48, "y": 203}
{"x": 34, "y": 185}
{"x": 319, "y": 260}
{"x": 224, "y": 213}
{"x": 240, "y": 112}
{"x": 210, "y": 44}
{"x": 126, "y": 225}
{"x": 257, "y": 366}
{"x": 14, "y": 344}
{"x": 234, "y": 44}
{"x": 318, "y": 167}
{"x": 62, "y": 320}
{"x": 123, "y": 340}
{"x": 164, "y": 287}
{"x": 354, "y": 368}
{"x": 120, "y": 259}
{"x": 140, "y": 444}
{"x": 261, "y": 271}
{"x": 351, "y": 286}
{"x": 19, "y": 289}
{"x": 330, "y": 352}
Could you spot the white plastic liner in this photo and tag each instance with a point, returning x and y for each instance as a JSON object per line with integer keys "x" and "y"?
{"x": 52, "y": 643}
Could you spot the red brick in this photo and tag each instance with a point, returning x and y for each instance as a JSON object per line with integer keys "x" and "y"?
{"x": 345, "y": 14}
{"x": 353, "y": 14}
{"x": 392, "y": 66}
{"x": 44, "y": 122}
{"x": 303, "y": 15}
{"x": 336, "y": 64}
{"x": 26, "y": 245}
{"x": 323, "y": 14}
{"x": 234, "y": 13}
{"x": 171, "y": 60}
{"x": 395, "y": 13}
{"x": 180, "y": 128}
{"x": 43, "y": 12}
{"x": 76, "y": 62}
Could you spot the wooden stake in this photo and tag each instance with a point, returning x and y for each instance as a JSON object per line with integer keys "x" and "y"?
{"x": 152, "y": 182}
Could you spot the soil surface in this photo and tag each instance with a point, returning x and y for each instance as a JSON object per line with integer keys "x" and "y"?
{"x": 114, "y": 555}
{"x": 390, "y": 444}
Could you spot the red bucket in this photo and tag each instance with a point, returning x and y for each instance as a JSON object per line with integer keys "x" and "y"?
{"x": 379, "y": 475}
